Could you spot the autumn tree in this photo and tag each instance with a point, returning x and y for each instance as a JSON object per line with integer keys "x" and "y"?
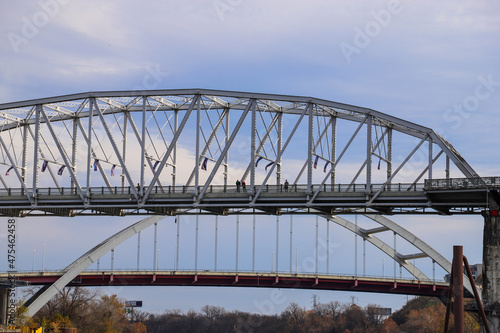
{"x": 88, "y": 311}
{"x": 389, "y": 326}
{"x": 108, "y": 315}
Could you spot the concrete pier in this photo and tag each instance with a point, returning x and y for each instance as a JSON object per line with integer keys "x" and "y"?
{"x": 491, "y": 267}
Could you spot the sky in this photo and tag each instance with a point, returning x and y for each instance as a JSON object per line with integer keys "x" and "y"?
{"x": 435, "y": 64}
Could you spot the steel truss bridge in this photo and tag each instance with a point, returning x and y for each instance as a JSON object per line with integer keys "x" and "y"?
{"x": 182, "y": 151}
{"x": 198, "y": 151}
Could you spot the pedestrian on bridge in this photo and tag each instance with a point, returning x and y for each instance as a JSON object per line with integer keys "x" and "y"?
{"x": 238, "y": 185}
{"x": 244, "y": 185}
{"x": 286, "y": 185}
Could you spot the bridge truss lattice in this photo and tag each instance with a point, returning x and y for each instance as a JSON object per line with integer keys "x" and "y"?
{"x": 183, "y": 151}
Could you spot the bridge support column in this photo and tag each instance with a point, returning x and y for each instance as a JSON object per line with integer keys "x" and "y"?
{"x": 491, "y": 267}
{"x": 4, "y": 305}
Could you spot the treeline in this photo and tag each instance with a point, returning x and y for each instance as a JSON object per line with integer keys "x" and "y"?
{"x": 91, "y": 312}
{"x": 421, "y": 314}
{"x": 84, "y": 309}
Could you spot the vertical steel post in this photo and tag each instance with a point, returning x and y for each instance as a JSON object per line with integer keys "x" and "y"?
{"x": 138, "y": 249}
{"x": 433, "y": 271}
{"x": 237, "y": 240}
{"x": 430, "y": 158}
{"x": 252, "y": 148}
{"x": 327, "y": 246}
{"x": 112, "y": 259}
{"x": 143, "y": 145}
{"x": 291, "y": 238}
{"x": 253, "y": 245}
{"x": 89, "y": 143}
{"x": 197, "y": 153}
{"x": 174, "y": 151}
{"x": 310, "y": 143}
{"x": 277, "y": 240}
{"x": 74, "y": 150}
{"x": 334, "y": 150}
{"x": 226, "y": 157}
{"x": 317, "y": 245}
{"x": 395, "y": 254}
{"x": 36, "y": 148}
{"x": 280, "y": 146}
{"x": 196, "y": 245}
{"x": 458, "y": 288}
{"x": 178, "y": 220}
{"x": 124, "y": 150}
{"x": 25, "y": 156}
{"x": 356, "y": 246}
{"x": 155, "y": 246}
{"x": 216, "y": 238}
{"x": 369, "y": 153}
{"x": 389, "y": 157}
{"x": 447, "y": 170}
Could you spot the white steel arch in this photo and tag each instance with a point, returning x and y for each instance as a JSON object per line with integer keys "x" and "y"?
{"x": 87, "y": 259}
{"x": 79, "y": 265}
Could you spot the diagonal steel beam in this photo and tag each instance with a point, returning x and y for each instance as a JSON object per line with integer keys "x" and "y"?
{"x": 117, "y": 152}
{"x": 323, "y": 132}
{"x": 262, "y": 143}
{"x": 14, "y": 164}
{"x": 304, "y": 112}
{"x": 86, "y": 138}
{"x": 207, "y": 144}
{"x": 43, "y": 157}
{"x": 250, "y": 104}
{"x": 138, "y": 136}
{"x": 173, "y": 144}
{"x": 364, "y": 164}
{"x": 396, "y": 172}
{"x": 425, "y": 170}
{"x": 63, "y": 153}
{"x": 338, "y": 159}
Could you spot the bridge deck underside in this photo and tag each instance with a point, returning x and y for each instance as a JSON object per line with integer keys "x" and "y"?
{"x": 65, "y": 203}
{"x": 300, "y": 281}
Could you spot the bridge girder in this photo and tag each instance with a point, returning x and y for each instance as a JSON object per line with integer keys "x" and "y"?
{"x": 78, "y": 266}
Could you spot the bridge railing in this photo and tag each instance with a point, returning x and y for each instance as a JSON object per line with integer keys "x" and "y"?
{"x": 462, "y": 183}
{"x": 169, "y": 189}
{"x": 171, "y": 271}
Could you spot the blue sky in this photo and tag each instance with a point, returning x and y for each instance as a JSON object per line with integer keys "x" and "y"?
{"x": 435, "y": 64}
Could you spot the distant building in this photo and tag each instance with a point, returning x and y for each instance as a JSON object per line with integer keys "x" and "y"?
{"x": 476, "y": 270}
